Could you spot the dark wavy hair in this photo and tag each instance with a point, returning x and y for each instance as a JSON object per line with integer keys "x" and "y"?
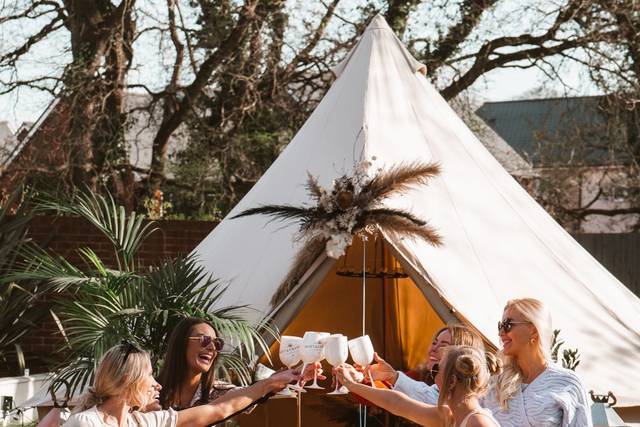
{"x": 174, "y": 369}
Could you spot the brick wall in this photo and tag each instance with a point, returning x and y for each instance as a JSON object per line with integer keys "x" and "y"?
{"x": 65, "y": 235}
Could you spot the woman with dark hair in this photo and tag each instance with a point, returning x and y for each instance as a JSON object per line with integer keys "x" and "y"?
{"x": 187, "y": 375}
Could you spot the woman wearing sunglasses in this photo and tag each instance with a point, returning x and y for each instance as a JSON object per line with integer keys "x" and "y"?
{"x": 124, "y": 382}
{"x": 187, "y": 375}
{"x": 532, "y": 391}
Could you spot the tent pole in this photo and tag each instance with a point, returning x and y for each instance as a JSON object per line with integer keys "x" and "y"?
{"x": 364, "y": 298}
{"x": 364, "y": 276}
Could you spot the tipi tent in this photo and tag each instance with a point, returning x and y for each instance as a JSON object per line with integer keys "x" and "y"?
{"x": 498, "y": 242}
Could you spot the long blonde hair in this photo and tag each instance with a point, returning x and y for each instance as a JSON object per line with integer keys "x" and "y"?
{"x": 123, "y": 371}
{"x": 470, "y": 367}
{"x": 532, "y": 310}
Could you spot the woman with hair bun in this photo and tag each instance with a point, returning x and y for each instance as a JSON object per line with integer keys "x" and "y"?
{"x": 124, "y": 383}
{"x": 420, "y": 385}
{"x": 533, "y": 391}
{"x": 463, "y": 378}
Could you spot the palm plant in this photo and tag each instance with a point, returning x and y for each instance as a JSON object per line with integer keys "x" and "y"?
{"x": 570, "y": 357}
{"x": 17, "y": 314}
{"x": 100, "y": 305}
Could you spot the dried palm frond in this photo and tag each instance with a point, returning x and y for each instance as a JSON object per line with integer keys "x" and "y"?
{"x": 402, "y": 223}
{"x": 280, "y": 212}
{"x": 303, "y": 261}
{"x": 378, "y": 213}
{"x": 396, "y": 179}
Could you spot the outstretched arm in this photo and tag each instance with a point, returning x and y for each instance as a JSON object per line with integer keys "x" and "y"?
{"x": 230, "y": 403}
{"x": 396, "y": 402}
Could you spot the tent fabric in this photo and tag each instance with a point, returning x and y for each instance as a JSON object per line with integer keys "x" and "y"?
{"x": 498, "y": 242}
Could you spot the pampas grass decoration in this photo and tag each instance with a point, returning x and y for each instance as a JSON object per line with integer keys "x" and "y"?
{"x": 342, "y": 213}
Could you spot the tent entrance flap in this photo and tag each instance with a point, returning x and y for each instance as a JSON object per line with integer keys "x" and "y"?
{"x": 399, "y": 319}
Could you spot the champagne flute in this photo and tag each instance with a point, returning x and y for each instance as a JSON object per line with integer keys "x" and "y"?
{"x": 361, "y": 350}
{"x": 289, "y": 355}
{"x": 336, "y": 352}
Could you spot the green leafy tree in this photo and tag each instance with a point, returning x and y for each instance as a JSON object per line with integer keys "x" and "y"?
{"x": 99, "y": 305}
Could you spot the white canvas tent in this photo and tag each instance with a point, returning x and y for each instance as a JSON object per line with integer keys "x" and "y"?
{"x": 498, "y": 242}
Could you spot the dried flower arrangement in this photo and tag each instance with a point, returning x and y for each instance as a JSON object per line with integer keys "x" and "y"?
{"x": 352, "y": 207}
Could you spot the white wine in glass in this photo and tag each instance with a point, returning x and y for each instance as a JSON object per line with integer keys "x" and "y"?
{"x": 361, "y": 350}
{"x": 336, "y": 352}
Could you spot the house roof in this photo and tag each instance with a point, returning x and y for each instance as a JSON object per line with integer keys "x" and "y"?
{"x": 46, "y": 131}
{"x": 568, "y": 130}
{"x": 501, "y": 150}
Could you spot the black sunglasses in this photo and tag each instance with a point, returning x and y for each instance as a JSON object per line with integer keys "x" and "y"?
{"x": 507, "y": 324}
{"x": 206, "y": 340}
{"x": 434, "y": 370}
{"x": 128, "y": 348}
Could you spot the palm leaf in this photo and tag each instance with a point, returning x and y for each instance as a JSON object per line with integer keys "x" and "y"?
{"x": 125, "y": 232}
{"x": 41, "y": 266}
{"x": 141, "y": 304}
{"x": 280, "y": 212}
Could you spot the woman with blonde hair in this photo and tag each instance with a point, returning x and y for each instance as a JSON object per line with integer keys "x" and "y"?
{"x": 463, "y": 378}
{"x": 423, "y": 387}
{"x": 124, "y": 384}
{"x": 532, "y": 391}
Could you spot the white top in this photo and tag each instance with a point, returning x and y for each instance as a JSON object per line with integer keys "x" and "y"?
{"x": 417, "y": 390}
{"x": 481, "y": 411}
{"x": 556, "y": 398}
{"x": 91, "y": 418}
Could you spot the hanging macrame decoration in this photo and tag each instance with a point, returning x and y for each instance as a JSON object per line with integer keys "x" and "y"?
{"x": 352, "y": 207}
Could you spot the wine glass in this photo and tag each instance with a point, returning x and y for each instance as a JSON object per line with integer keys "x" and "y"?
{"x": 289, "y": 355}
{"x": 361, "y": 350}
{"x": 336, "y": 352}
{"x": 312, "y": 352}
